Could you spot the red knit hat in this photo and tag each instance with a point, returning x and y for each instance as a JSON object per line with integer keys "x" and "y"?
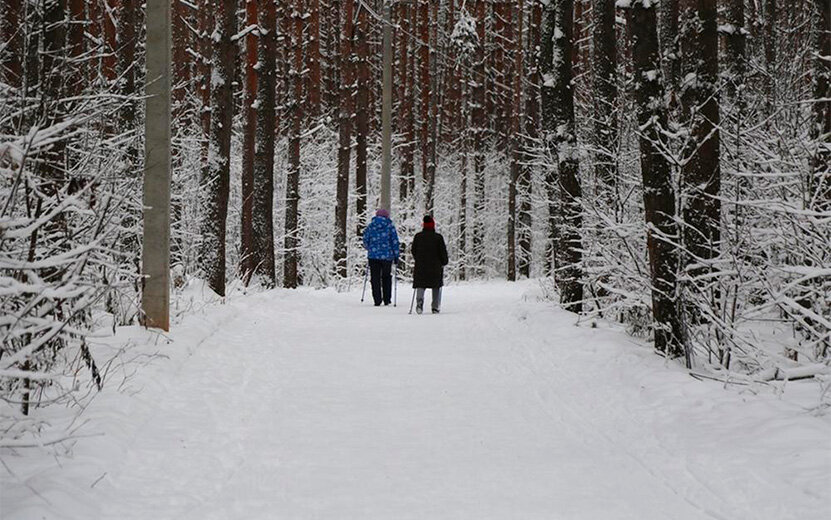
{"x": 429, "y": 223}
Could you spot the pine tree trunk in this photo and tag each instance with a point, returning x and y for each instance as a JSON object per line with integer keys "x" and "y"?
{"x": 292, "y": 240}
{"x": 247, "y": 255}
{"x": 110, "y": 61}
{"x": 206, "y": 20}
{"x": 313, "y": 59}
{"x": 605, "y": 97}
{"x": 821, "y": 131}
{"x": 75, "y": 47}
{"x": 532, "y": 127}
{"x": 216, "y": 173}
{"x": 516, "y": 138}
{"x": 669, "y": 49}
{"x": 127, "y": 25}
{"x": 181, "y": 60}
{"x": 361, "y": 114}
{"x": 700, "y": 170}
{"x": 736, "y": 46}
{"x": 11, "y": 35}
{"x": 344, "y": 135}
{"x": 405, "y": 106}
{"x": 658, "y": 193}
{"x": 479, "y": 122}
{"x": 559, "y": 125}
{"x": 770, "y": 44}
{"x": 262, "y": 195}
{"x": 424, "y": 86}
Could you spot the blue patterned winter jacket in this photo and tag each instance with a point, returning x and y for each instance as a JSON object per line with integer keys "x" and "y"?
{"x": 381, "y": 239}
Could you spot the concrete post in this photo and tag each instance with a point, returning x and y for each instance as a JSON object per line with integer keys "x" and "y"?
{"x": 155, "y": 298}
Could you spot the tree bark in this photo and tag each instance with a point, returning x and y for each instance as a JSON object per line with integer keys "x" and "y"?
{"x": 127, "y": 36}
{"x": 479, "y": 122}
{"x": 216, "y": 173}
{"x": 11, "y": 61}
{"x": 248, "y": 259}
{"x": 605, "y": 97}
{"x": 292, "y": 240}
{"x": 425, "y": 87}
{"x": 558, "y": 123}
{"x": 361, "y": 113}
{"x": 516, "y": 138}
{"x": 313, "y": 58}
{"x": 736, "y": 46}
{"x": 669, "y": 48}
{"x": 262, "y": 193}
{"x": 658, "y": 193}
{"x": 700, "y": 170}
{"x": 345, "y": 84}
{"x": 821, "y": 131}
{"x": 532, "y": 130}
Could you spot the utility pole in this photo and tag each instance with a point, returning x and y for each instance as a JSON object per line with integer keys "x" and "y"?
{"x": 155, "y": 258}
{"x": 386, "y": 117}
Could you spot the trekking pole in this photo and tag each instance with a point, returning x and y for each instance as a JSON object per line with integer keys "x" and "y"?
{"x": 366, "y": 276}
{"x": 395, "y": 290}
{"x": 412, "y": 302}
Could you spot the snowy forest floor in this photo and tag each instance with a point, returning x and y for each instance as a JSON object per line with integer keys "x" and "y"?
{"x": 310, "y": 405}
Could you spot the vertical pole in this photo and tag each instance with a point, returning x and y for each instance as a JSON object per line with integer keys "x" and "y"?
{"x": 155, "y": 298}
{"x": 386, "y": 119}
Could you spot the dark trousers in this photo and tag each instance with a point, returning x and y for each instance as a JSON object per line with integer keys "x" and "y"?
{"x": 380, "y": 274}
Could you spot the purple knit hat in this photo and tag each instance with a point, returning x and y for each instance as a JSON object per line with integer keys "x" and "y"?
{"x": 381, "y": 212}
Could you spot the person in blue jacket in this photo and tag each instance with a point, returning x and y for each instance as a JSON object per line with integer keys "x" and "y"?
{"x": 382, "y": 248}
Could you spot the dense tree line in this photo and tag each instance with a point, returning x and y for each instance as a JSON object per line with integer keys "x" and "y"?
{"x": 665, "y": 164}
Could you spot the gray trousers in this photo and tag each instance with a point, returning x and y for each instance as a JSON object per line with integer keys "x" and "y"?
{"x": 436, "y": 304}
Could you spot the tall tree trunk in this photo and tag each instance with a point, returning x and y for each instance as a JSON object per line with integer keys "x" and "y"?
{"x": 821, "y": 131}
{"x": 313, "y": 59}
{"x": 478, "y": 123}
{"x": 605, "y": 96}
{"x": 549, "y": 99}
{"x": 11, "y": 35}
{"x": 465, "y": 129}
{"x": 700, "y": 170}
{"x": 770, "y": 44}
{"x": 127, "y": 36}
{"x": 292, "y": 240}
{"x": 247, "y": 255}
{"x": 75, "y": 47}
{"x": 532, "y": 127}
{"x": 516, "y": 138}
{"x": 405, "y": 104}
{"x": 669, "y": 48}
{"x": 658, "y": 193}
{"x": 362, "y": 108}
{"x": 216, "y": 173}
{"x": 558, "y": 118}
{"x": 181, "y": 60}
{"x": 110, "y": 61}
{"x": 434, "y": 90}
{"x": 206, "y": 21}
{"x": 736, "y": 46}
{"x": 262, "y": 193}
{"x": 425, "y": 86}
{"x": 344, "y": 134}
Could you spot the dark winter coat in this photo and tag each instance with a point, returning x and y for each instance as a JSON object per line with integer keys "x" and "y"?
{"x": 430, "y": 255}
{"x": 381, "y": 239}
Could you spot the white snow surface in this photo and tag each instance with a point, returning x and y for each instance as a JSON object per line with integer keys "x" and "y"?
{"x": 310, "y": 405}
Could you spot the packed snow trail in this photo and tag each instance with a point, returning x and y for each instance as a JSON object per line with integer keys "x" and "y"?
{"x": 309, "y": 405}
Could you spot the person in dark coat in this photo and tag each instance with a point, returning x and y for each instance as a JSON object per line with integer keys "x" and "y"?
{"x": 430, "y": 256}
{"x": 382, "y": 250}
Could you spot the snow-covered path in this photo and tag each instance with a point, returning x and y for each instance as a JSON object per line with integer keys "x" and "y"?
{"x": 309, "y": 405}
